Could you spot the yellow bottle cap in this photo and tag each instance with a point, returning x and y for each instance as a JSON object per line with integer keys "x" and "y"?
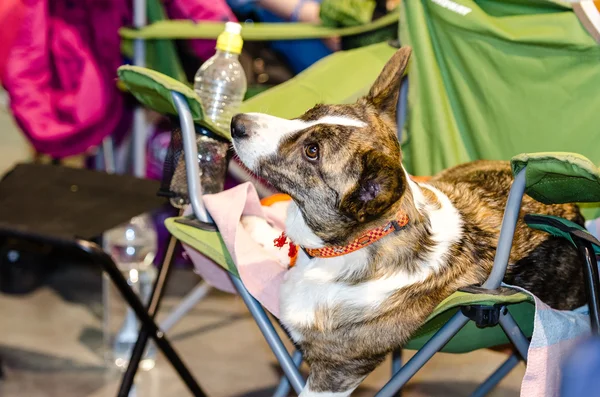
{"x": 231, "y": 39}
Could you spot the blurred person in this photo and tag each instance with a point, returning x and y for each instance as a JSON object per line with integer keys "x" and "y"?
{"x": 298, "y": 54}
{"x": 11, "y": 17}
{"x": 580, "y": 370}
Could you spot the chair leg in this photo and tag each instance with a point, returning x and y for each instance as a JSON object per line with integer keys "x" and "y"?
{"x": 435, "y": 344}
{"x": 396, "y": 361}
{"x": 187, "y": 304}
{"x": 283, "y": 389}
{"x": 592, "y": 282}
{"x": 492, "y": 381}
{"x": 142, "y": 340}
{"x": 514, "y": 333}
{"x": 397, "y": 366}
{"x": 133, "y": 300}
{"x": 266, "y": 327}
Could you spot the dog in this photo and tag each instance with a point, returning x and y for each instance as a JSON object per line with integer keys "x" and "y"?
{"x": 378, "y": 250}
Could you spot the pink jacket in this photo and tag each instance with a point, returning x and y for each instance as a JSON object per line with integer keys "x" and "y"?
{"x": 11, "y": 15}
{"x": 61, "y": 69}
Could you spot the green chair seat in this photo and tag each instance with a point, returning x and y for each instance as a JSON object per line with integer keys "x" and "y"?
{"x": 470, "y": 338}
{"x": 357, "y": 68}
{"x": 186, "y": 29}
{"x": 208, "y": 243}
{"x": 556, "y": 178}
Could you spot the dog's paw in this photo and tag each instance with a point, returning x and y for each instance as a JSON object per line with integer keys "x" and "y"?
{"x": 265, "y": 235}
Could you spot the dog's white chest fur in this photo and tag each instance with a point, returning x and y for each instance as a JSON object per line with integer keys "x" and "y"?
{"x": 312, "y": 286}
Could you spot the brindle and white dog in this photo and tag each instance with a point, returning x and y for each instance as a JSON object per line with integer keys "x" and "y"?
{"x": 341, "y": 164}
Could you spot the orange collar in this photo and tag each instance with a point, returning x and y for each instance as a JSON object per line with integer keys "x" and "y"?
{"x": 366, "y": 239}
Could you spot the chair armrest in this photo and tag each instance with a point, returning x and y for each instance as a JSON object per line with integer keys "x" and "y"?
{"x": 557, "y": 178}
{"x": 155, "y": 90}
{"x": 507, "y": 231}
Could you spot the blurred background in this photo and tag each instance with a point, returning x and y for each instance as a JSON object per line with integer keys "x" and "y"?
{"x": 65, "y": 331}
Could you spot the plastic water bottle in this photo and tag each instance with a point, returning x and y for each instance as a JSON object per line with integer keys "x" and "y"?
{"x": 221, "y": 82}
{"x": 133, "y": 248}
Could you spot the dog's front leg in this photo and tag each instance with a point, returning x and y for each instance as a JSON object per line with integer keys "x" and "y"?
{"x": 308, "y": 391}
{"x": 338, "y": 378}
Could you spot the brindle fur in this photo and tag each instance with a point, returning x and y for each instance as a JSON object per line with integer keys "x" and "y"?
{"x": 359, "y": 184}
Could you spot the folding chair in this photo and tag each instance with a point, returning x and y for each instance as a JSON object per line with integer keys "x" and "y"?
{"x": 470, "y": 319}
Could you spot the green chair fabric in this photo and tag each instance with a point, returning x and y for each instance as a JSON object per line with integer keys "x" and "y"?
{"x": 207, "y": 242}
{"x": 320, "y": 83}
{"x": 339, "y": 78}
{"x": 162, "y": 55}
{"x": 153, "y": 90}
{"x": 556, "y": 178}
{"x": 184, "y": 29}
{"x": 471, "y": 338}
{"x": 561, "y": 227}
{"x": 336, "y": 13}
{"x": 468, "y": 339}
{"x": 490, "y": 79}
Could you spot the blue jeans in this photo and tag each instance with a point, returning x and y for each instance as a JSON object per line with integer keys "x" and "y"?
{"x": 581, "y": 369}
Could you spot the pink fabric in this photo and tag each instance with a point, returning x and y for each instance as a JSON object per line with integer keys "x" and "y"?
{"x": 11, "y": 17}
{"x": 61, "y": 74}
{"x": 555, "y": 333}
{"x": 215, "y": 10}
{"x": 259, "y": 270}
{"x": 542, "y": 376}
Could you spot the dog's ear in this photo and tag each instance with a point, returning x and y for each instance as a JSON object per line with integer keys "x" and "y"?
{"x": 380, "y": 185}
{"x": 385, "y": 91}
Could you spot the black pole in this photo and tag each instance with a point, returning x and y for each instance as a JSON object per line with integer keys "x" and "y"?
{"x": 154, "y": 303}
{"x": 109, "y": 266}
{"x": 592, "y": 281}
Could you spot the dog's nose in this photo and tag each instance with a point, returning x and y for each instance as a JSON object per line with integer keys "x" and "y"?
{"x": 238, "y": 129}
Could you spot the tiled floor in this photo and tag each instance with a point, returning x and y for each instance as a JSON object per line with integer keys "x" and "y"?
{"x": 51, "y": 341}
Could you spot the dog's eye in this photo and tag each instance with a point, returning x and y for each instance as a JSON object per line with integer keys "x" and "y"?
{"x": 311, "y": 152}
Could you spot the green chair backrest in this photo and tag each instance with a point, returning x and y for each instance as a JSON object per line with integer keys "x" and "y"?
{"x": 494, "y": 78}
